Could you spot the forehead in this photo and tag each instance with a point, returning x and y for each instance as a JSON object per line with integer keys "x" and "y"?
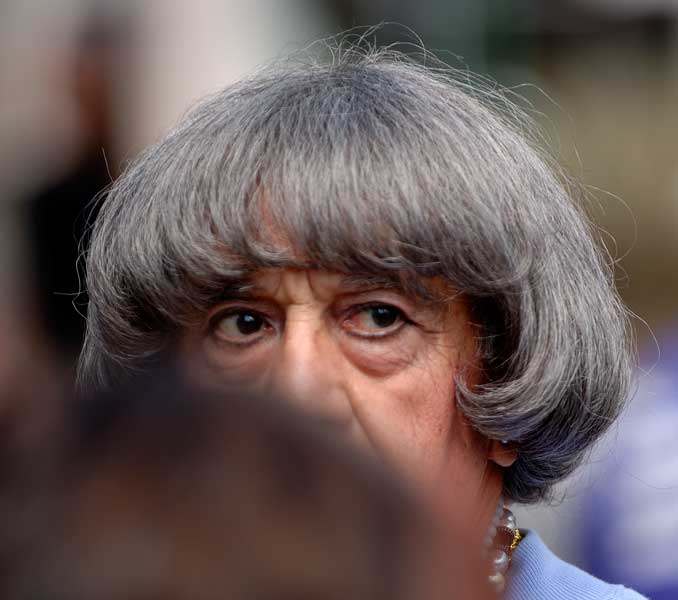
{"x": 321, "y": 281}
{"x": 292, "y": 282}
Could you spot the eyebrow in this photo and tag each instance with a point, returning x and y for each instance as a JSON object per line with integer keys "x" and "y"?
{"x": 246, "y": 289}
{"x": 359, "y": 282}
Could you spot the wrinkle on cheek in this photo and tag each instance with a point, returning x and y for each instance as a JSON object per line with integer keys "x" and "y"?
{"x": 430, "y": 436}
{"x": 407, "y": 417}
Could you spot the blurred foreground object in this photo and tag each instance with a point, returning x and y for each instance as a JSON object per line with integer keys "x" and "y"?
{"x": 164, "y": 492}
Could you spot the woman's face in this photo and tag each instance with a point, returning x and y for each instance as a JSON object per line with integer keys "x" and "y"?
{"x": 374, "y": 362}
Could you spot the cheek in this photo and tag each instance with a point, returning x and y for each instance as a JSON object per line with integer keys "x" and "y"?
{"x": 408, "y": 415}
{"x": 206, "y": 363}
{"x": 383, "y": 361}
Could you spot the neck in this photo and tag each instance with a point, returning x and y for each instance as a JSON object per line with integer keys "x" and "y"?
{"x": 473, "y": 512}
{"x": 485, "y": 503}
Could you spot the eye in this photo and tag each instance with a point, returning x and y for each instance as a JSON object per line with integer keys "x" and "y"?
{"x": 375, "y": 320}
{"x": 240, "y": 326}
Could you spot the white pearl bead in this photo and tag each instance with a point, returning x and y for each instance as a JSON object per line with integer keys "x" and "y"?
{"x": 498, "y": 581}
{"x": 508, "y": 521}
{"x": 491, "y": 534}
{"x": 500, "y": 561}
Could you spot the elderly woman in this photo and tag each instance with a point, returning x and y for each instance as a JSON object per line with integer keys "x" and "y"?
{"x": 384, "y": 243}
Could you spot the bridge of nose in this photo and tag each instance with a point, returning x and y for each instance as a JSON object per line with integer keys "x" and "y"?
{"x": 309, "y": 364}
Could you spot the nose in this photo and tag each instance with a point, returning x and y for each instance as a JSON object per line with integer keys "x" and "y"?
{"x": 308, "y": 371}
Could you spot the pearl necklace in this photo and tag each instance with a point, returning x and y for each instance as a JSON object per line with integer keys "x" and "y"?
{"x": 502, "y": 539}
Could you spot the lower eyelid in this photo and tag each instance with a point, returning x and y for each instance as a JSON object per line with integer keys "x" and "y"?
{"x": 213, "y": 332}
{"x": 378, "y": 336}
{"x": 221, "y": 341}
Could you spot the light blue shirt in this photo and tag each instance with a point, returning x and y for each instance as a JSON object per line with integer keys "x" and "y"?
{"x": 538, "y": 574}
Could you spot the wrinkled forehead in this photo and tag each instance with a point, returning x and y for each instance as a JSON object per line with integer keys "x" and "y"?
{"x": 343, "y": 252}
{"x": 327, "y": 285}
{"x": 321, "y": 282}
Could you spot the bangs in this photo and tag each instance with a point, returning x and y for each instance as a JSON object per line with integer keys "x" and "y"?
{"x": 333, "y": 186}
{"x": 346, "y": 168}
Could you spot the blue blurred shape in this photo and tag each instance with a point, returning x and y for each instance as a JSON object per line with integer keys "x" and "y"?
{"x": 631, "y": 508}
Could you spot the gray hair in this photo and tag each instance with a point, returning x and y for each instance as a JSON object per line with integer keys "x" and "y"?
{"x": 373, "y": 163}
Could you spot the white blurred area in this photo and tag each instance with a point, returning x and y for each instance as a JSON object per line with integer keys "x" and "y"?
{"x": 179, "y": 50}
{"x": 198, "y": 46}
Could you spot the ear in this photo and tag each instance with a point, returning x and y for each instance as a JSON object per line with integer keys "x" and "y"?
{"x": 502, "y": 453}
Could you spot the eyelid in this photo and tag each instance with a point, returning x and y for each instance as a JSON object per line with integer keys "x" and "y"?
{"x": 378, "y": 296}
{"x": 356, "y": 307}
{"x": 228, "y": 307}
{"x": 220, "y": 315}
{"x": 387, "y": 333}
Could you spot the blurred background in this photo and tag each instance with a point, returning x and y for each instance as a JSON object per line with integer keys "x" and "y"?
{"x": 85, "y": 85}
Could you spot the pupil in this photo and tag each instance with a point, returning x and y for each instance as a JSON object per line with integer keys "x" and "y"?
{"x": 248, "y": 323}
{"x": 384, "y": 316}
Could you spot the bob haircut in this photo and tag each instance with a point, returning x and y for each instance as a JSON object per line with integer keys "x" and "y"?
{"x": 374, "y": 164}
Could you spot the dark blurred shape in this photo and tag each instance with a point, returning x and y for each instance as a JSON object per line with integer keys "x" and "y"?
{"x": 567, "y": 27}
{"x": 58, "y": 215}
{"x": 161, "y": 491}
